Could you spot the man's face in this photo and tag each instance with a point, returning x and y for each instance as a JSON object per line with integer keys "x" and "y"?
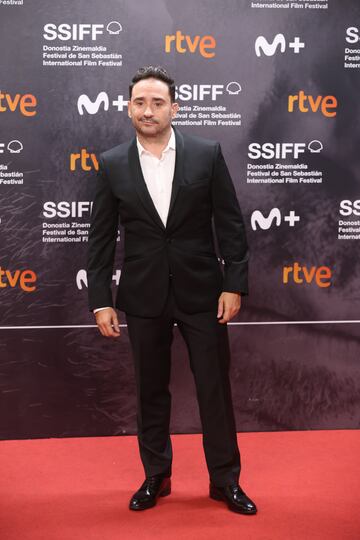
{"x": 150, "y": 107}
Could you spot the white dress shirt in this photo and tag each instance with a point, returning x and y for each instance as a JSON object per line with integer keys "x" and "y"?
{"x": 158, "y": 175}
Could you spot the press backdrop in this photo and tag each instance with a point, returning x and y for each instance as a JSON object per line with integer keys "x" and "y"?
{"x": 277, "y": 83}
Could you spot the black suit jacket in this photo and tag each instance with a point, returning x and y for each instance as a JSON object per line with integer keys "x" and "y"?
{"x": 202, "y": 188}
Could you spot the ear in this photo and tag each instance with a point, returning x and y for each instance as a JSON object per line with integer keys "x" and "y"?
{"x": 174, "y": 109}
{"x": 128, "y": 108}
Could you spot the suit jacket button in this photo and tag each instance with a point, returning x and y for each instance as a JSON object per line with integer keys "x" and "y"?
{"x": 169, "y": 240}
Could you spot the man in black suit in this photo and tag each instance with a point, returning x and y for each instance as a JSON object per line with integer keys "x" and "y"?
{"x": 166, "y": 187}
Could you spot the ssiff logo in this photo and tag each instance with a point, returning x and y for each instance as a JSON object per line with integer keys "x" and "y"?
{"x": 347, "y": 207}
{"x": 199, "y": 92}
{"x": 14, "y": 147}
{"x": 283, "y": 150}
{"x": 186, "y": 44}
{"x": 78, "y": 32}
{"x": 66, "y": 209}
{"x": 352, "y": 34}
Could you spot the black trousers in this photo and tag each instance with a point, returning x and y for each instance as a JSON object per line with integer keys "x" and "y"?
{"x": 209, "y": 353}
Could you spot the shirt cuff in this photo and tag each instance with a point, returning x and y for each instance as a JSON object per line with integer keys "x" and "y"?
{"x": 100, "y": 308}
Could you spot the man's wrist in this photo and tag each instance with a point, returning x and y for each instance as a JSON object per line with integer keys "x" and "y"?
{"x": 99, "y": 309}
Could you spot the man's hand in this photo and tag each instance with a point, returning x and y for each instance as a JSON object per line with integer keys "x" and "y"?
{"x": 228, "y": 306}
{"x": 105, "y": 319}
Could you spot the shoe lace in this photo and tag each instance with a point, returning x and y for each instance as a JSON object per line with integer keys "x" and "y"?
{"x": 150, "y": 481}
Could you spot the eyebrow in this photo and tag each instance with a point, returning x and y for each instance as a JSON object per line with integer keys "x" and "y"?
{"x": 141, "y": 98}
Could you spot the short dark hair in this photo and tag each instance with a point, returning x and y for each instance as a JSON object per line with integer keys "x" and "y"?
{"x": 154, "y": 72}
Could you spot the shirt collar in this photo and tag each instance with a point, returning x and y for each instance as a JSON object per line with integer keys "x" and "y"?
{"x": 171, "y": 144}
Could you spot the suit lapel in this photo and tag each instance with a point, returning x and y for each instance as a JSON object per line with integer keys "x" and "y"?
{"x": 140, "y": 184}
{"x": 178, "y": 173}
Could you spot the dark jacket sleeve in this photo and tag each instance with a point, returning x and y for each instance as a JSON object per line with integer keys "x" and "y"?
{"x": 102, "y": 241}
{"x": 229, "y": 227}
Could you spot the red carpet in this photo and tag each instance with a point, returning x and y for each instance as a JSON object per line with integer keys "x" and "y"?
{"x": 306, "y": 486}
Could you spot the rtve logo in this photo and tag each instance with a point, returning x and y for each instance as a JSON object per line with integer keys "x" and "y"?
{"x": 321, "y": 275}
{"x": 352, "y": 34}
{"x": 19, "y": 278}
{"x": 263, "y": 46}
{"x": 259, "y": 220}
{"x": 84, "y": 103}
{"x": 23, "y": 103}
{"x": 78, "y": 32}
{"x": 348, "y": 208}
{"x": 87, "y": 161}
{"x": 324, "y": 103}
{"x": 186, "y": 44}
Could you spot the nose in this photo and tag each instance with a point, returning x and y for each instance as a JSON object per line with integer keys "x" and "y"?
{"x": 148, "y": 111}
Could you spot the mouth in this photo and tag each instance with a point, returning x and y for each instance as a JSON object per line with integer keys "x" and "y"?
{"x": 148, "y": 122}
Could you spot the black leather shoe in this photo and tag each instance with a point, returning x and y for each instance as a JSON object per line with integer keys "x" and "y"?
{"x": 235, "y": 498}
{"x": 148, "y": 493}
